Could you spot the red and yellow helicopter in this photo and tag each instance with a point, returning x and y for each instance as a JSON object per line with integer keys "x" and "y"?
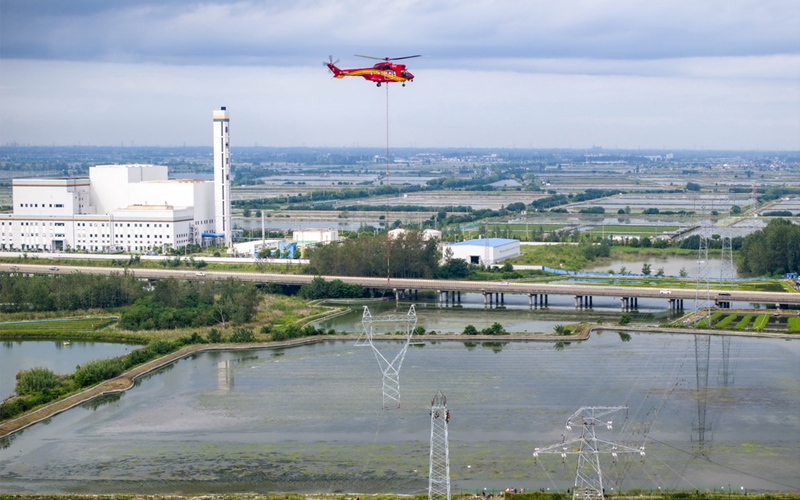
{"x": 383, "y": 72}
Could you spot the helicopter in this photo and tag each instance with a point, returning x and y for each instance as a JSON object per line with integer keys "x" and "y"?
{"x": 382, "y": 72}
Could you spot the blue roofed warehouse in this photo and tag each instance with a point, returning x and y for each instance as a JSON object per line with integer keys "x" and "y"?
{"x": 486, "y": 251}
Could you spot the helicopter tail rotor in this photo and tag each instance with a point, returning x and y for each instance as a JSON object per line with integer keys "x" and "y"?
{"x": 331, "y": 64}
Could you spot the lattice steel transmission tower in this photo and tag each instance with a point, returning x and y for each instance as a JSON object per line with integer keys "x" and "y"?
{"x": 727, "y": 270}
{"x": 580, "y": 439}
{"x": 439, "y": 473}
{"x": 390, "y": 368}
{"x": 702, "y": 296}
{"x": 702, "y": 348}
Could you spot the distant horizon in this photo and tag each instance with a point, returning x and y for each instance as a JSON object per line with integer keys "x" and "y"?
{"x": 466, "y": 149}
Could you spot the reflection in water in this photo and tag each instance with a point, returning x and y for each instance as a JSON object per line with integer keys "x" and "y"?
{"x": 702, "y": 344}
{"x": 100, "y": 401}
{"x": 225, "y": 375}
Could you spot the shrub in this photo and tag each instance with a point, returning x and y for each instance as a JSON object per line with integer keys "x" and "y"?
{"x": 241, "y": 335}
{"x": 625, "y": 319}
{"x": 36, "y": 380}
{"x": 265, "y": 329}
{"x": 470, "y": 330}
{"x": 495, "y": 329}
{"x": 214, "y": 336}
{"x": 137, "y": 357}
{"x": 98, "y": 370}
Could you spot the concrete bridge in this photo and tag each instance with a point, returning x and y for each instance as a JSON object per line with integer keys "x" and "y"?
{"x": 450, "y": 290}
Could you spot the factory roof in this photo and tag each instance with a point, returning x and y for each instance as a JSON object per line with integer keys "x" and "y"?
{"x": 492, "y": 242}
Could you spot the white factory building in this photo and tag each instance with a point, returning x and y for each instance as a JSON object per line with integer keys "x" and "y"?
{"x": 131, "y": 208}
{"x": 486, "y": 251}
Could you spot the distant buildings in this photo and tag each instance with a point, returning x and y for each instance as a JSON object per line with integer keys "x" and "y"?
{"x": 130, "y": 208}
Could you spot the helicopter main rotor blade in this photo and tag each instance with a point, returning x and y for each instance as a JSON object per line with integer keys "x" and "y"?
{"x": 387, "y": 58}
{"x": 399, "y": 58}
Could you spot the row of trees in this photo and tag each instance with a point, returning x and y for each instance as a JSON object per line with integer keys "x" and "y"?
{"x": 772, "y": 250}
{"x": 410, "y": 256}
{"x": 68, "y": 292}
{"x": 178, "y": 304}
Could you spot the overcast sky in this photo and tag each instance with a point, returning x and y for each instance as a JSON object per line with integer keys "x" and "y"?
{"x": 674, "y": 74}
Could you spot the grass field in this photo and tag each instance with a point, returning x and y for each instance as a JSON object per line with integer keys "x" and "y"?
{"x": 85, "y": 328}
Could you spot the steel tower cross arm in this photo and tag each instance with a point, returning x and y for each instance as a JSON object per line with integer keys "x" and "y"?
{"x": 389, "y": 369}
{"x": 580, "y": 438}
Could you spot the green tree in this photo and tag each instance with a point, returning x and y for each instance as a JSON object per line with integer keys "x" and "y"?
{"x": 470, "y": 330}
{"x": 36, "y": 380}
{"x": 242, "y": 335}
{"x": 772, "y": 250}
{"x": 646, "y": 269}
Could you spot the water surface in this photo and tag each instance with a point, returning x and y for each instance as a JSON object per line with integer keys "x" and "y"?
{"x": 309, "y": 419}
{"x": 61, "y": 357}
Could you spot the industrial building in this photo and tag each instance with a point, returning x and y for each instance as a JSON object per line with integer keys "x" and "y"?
{"x": 486, "y": 251}
{"x": 131, "y": 208}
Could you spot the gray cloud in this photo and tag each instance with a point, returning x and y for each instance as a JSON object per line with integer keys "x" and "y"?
{"x": 451, "y": 32}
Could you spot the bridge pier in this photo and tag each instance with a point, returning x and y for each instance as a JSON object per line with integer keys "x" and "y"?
{"x": 629, "y": 303}
{"x": 459, "y": 296}
{"x": 675, "y": 304}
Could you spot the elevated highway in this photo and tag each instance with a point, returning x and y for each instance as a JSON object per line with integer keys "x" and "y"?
{"x": 449, "y": 289}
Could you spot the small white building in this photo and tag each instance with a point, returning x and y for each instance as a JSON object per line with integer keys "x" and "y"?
{"x": 427, "y": 234}
{"x": 315, "y": 235}
{"x": 486, "y": 251}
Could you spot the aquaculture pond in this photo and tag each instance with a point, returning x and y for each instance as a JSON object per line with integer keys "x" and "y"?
{"x": 712, "y": 412}
{"x": 60, "y": 356}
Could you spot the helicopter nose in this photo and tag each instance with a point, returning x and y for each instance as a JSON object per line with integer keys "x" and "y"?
{"x": 409, "y": 76}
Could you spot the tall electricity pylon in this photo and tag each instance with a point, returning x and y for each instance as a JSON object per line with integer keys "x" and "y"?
{"x": 580, "y": 439}
{"x": 727, "y": 271}
{"x": 390, "y": 368}
{"x": 702, "y": 347}
{"x": 439, "y": 473}
{"x": 702, "y": 296}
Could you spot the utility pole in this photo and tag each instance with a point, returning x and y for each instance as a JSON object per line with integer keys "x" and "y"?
{"x": 580, "y": 439}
